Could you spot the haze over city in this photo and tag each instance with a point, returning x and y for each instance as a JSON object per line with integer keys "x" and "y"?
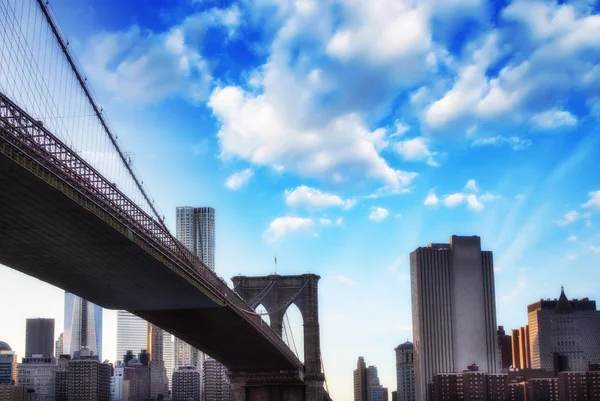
{"x": 336, "y": 137}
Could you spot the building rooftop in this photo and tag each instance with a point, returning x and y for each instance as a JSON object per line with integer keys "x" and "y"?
{"x": 563, "y": 305}
{"x": 4, "y": 346}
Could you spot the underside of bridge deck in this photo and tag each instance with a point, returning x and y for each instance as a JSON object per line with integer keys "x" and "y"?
{"x": 47, "y": 233}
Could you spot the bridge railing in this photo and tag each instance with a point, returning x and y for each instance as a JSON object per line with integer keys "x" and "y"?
{"x": 33, "y": 139}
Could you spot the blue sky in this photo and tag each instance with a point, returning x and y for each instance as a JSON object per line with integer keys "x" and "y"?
{"x": 341, "y": 135}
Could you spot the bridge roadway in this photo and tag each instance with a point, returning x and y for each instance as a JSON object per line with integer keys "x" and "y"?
{"x": 51, "y": 230}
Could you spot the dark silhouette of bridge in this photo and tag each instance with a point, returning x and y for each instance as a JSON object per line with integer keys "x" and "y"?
{"x": 65, "y": 222}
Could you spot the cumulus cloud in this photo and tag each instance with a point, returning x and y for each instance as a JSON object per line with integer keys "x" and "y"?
{"x": 470, "y": 198}
{"x": 471, "y": 185}
{"x": 515, "y": 142}
{"x": 311, "y": 197}
{"x": 378, "y": 214}
{"x": 554, "y": 118}
{"x": 281, "y": 227}
{"x": 431, "y": 199}
{"x": 594, "y": 201}
{"x": 569, "y": 217}
{"x": 145, "y": 66}
{"x": 255, "y": 129}
{"x": 553, "y": 50}
{"x": 239, "y": 179}
{"x": 416, "y": 149}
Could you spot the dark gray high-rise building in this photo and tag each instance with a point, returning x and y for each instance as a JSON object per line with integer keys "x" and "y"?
{"x": 39, "y": 337}
{"x": 453, "y": 310}
{"x": 360, "y": 380}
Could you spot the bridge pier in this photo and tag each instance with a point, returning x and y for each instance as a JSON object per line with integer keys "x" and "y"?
{"x": 275, "y": 386}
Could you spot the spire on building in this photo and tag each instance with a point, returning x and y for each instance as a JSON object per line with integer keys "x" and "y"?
{"x": 563, "y": 307}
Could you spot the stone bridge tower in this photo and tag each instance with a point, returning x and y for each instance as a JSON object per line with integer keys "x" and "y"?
{"x": 276, "y": 293}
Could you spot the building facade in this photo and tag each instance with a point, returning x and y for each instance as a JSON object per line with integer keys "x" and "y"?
{"x": 563, "y": 334}
{"x": 87, "y": 378}
{"x": 159, "y": 383}
{"x": 405, "y": 372}
{"x": 186, "y": 384}
{"x": 360, "y": 380}
{"x": 7, "y": 361}
{"x": 132, "y": 334}
{"x": 38, "y": 375}
{"x": 521, "y": 355}
{"x": 196, "y": 230}
{"x": 39, "y": 337}
{"x": 215, "y": 382}
{"x": 505, "y": 347}
{"x": 58, "y": 346}
{"x": 169, "y": 355}
{"x": 453, "y": 309}
{"x": 83, "y": 326}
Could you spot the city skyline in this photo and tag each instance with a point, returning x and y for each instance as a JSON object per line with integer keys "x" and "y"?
{"x": 482, "y": 122}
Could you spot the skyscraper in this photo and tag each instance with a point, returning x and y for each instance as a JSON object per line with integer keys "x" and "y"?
{"x": 405, "y": 372}
{"x": 83, "y": 326}
{"x": 360, "y": 380}
{"x": 504, "y": 344}
{"x": 39, "y": 337}
{"x": 169, "y": 355}
{"x": 196, "y": 230}
{"x": 7, "y": 360}
{"x": 132, "y": 334}
{"x": 58, "y": 346}
{"x": 453, "y": 309}
{"x": 563, "y": 334}
{"x": 159, "y": 384}
{"x": 519, "y": 340}
{"x": 214, "y": 381}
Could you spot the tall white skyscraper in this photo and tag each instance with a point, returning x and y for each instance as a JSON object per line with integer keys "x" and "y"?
{"x": 169, "y": 354}
{"x": 83, "y": 326}
{"x": 453, "y": 310}
{"x": 196, "y": 230}
{"x": 132, "y": 334}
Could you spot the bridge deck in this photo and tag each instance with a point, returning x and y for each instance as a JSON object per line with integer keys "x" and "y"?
{"x": 47, "y": 234}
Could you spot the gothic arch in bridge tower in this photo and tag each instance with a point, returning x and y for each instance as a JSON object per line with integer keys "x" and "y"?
{"x": 276, "y": 293}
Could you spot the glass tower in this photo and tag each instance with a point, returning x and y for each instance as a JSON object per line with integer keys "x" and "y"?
{"x": 132, "y": 333}
{"x": 83, "y": 326}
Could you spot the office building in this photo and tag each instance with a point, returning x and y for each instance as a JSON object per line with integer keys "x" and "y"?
{"x": 87, "y": 378}
{"x": 58, "y": 346}
{"x": 360, "y": 380}
{"x": 37, "y": 374}
{"x": 504, "y": 345}
{"x": 545, "y": 389}
{"x": 563, "y": 334}
{"x": 7, "y": 361}
{"x": 159, "y": 384}
{"x": 132, "y": 334}
{"x": 405, "y": 372}
{"x": 60, "y": 386}
{"x": 116, "y": 383}
{"x": 137, "y": 377}
{"x": 186, "y": 384}
{"x": 83, "y": 326}
{"x": 39, "y": 337}
{"x": 453, "y": 309}
{"x": 9, "y": 392}
{"x": 169, "y": 355}
{"x": 215, "y": 382}
{"x": 521, "y": 356}
{"x": 196, "y": 230}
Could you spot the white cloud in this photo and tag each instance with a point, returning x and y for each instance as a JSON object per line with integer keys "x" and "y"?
{"x": 554, "y": 118}
{"x": 572, "y": 238}
{"x": 416, "y": 149}
{"x": 311, "y": 197}
{"x": 454, "y": 199}
{"x": 346, "y": 280}
{"x": 488, "y": 197}
{"x": 255, "y": 129}
{"x": 378, "y": 214}
{"x": 471, "y": 185}
{"x": 431, "y": 199}
{"x": 568, "y": 218}
{"x": 515, "y": 142}
{"x": 281, "y": 227}
{"x": 239, "y": 179}
{"x": 595, "y": 249}
{"x": 520, "y": 197}
{"x": 473, "y": 203}
{"x": 571, "y": 256}
{"x": 339, "y": 221}
{"x": 588, "y": 223}
{"x": 594, "y": 201}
